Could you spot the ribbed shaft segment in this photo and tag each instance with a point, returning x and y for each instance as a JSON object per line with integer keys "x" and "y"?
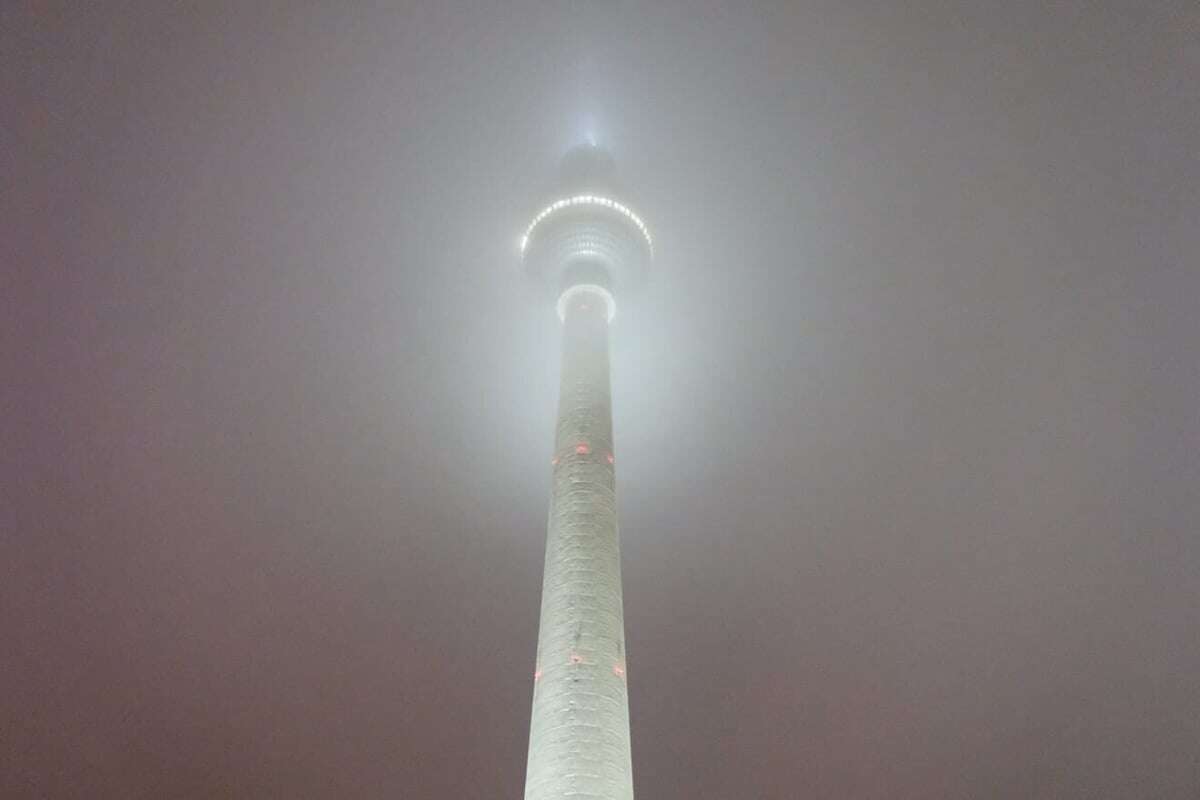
{"x": 579, "y": 733}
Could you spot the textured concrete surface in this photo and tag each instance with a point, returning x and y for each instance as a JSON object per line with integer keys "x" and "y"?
{"x": 579, "y": 733}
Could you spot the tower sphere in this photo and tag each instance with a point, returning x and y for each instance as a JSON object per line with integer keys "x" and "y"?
{"x": 587, "y": 235}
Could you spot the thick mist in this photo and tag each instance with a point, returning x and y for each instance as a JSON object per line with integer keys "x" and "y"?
{"x": 905, "y": 418}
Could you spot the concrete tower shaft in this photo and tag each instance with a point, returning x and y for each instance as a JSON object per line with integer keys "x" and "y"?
{"x": 579, "y": 731}
{"x": 585, "y": 247}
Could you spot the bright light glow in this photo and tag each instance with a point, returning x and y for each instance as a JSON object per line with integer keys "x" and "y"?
{"x": 581, "y": 288}
{"x": 582, "y": 449}
{"x": 587, "y": 200}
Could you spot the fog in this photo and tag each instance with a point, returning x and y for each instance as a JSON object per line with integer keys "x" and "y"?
{"x": 906, "y": 416}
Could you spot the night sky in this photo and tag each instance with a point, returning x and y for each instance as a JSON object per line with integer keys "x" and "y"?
{"x": 907, "y": 417}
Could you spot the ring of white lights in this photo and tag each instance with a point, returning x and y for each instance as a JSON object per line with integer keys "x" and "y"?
{"x": 591, "y": 200}
{"x": 586, "y": 288}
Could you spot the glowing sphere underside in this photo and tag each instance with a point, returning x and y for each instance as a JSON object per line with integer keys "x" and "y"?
{"x": 587, "y": 239}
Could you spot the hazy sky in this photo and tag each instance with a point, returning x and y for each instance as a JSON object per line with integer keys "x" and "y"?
{"x": 907, "y": 419}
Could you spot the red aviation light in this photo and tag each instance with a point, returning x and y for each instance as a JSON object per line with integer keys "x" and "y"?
{"x": 537, "y": 674}
{"x": 582, "y": 449}
{"x": 618, "y": 670}
{"x": 610, "y": 458}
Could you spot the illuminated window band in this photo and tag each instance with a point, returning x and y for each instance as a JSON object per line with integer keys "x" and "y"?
{"x": 587, "y": 200}
{"x": 587, "y": 288}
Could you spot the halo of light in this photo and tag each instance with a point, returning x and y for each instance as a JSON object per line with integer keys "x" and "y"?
{"x": 582, "y": 288}
{"x": 588, "y": 199}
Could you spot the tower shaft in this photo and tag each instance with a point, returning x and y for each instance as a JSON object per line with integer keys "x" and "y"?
{"x": 579, "y": 731}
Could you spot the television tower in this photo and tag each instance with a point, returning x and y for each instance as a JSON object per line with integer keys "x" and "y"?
{"x": 586, "y": 248}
